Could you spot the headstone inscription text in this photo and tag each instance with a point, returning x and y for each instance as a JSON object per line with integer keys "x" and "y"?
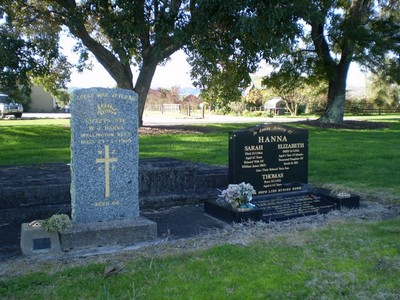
{"x": 273, "y": 158}
{"x": 104, "y": 155}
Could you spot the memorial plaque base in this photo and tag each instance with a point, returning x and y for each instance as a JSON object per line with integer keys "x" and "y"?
{"x": 283, "y": 206}
{"x": 229, "y": 214}
{"x": 35, "y": 240}
{"x": 292, "y": 205}
{"x": 118, "y": 232}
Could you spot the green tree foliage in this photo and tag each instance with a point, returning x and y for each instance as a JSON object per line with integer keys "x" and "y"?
{"x": 318, "y": 39}
{"x": 255, "y": 97}
{"x": 15, "y": 63}
{"x": 384, "y": 93}
{"x": 291, "y": 89}
{"x": 336, "y": 33}
{"x": 294, "y": 88}
{"x": 121, "y": 33}
{"x": 222, "y": 87}
{"x": 29, "y": 50}
{"x": 237, "y": 107}
{"x": 225, "y": 47}
{"x": 53, "y": 80}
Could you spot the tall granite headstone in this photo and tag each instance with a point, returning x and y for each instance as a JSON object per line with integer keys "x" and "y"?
{"x": 104, "y": 161}
{"x": 104, "y": 170}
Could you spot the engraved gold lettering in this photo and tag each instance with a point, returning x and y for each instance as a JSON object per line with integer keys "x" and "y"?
{"x": 290, "y": 146}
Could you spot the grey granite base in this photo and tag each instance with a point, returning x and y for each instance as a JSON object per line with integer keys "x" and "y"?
{"x": 119, "y": 232}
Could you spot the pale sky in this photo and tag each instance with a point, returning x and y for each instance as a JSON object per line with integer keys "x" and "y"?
{"x": 174, "y": 73}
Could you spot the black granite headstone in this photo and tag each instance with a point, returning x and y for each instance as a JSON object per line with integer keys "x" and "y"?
{"x": 272, "y": 158}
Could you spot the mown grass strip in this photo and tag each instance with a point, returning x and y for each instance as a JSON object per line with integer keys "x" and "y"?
{"x": 345, "y": 260}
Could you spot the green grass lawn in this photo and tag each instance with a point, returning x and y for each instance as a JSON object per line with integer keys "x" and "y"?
{"x": 344, "y": 260}
{"x": 357, "y": 159}
{"x": 366, "y": 160}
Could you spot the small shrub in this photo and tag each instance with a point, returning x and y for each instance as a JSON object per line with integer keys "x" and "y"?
{"x": 237, "y": 107}
{"x": 60, "y": 223}
{"x": 316, "y": 105}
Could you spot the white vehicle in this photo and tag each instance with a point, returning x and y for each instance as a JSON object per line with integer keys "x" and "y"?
{"x": 10, "y": 107}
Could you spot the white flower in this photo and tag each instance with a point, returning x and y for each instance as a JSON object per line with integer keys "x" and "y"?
{"x": 238, "y": 194}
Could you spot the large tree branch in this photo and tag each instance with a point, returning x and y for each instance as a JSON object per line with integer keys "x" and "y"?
{"x": 357, "y": 16}
{"x": 320, "y": 44}
{"x": 144, "y": 35}
{"x": 75, "y": 22}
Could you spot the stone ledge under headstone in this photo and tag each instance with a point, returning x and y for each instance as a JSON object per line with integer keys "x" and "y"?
{"x": 229, "y": 214}
{"x": 346, "y": 200}
{"x": 118, "y": 232}
{"x": 284, "y": 206}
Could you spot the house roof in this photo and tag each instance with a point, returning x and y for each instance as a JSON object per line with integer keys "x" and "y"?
{"x": 273, "y": 103}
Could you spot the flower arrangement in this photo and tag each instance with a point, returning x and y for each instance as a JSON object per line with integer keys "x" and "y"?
{"x": 58, "y": 222}
{"x": 238, "y": 195}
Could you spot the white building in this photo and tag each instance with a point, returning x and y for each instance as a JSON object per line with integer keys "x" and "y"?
{"x": 41, "y": 101}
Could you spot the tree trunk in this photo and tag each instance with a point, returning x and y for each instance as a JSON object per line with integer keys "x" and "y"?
{"x": 143, "y": 84}
{"x": 334, "y": 111}
{"x": 122, "y": 73}
{"x": 337, "y": 73}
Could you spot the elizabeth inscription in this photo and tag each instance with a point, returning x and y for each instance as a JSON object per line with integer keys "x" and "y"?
{"x": 104, "y": 162}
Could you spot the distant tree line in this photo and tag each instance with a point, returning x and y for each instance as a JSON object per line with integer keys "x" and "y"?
{"x": 308, "y": 43}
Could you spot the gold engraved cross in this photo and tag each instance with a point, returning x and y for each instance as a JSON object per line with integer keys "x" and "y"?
{"x": 107, "y": 160}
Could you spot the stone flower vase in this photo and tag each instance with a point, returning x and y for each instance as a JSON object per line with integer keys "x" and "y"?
{"x": 243, "y": 204}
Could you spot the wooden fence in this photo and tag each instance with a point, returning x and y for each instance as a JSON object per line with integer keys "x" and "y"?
{"x": 187, "y": 109}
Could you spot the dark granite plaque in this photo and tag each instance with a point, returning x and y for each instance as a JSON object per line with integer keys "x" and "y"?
{"x": 272, "y": 158}
{"x": 41, "y": 243}
{"x": 290, "y": 205}
{"x": 104, "y": 156}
